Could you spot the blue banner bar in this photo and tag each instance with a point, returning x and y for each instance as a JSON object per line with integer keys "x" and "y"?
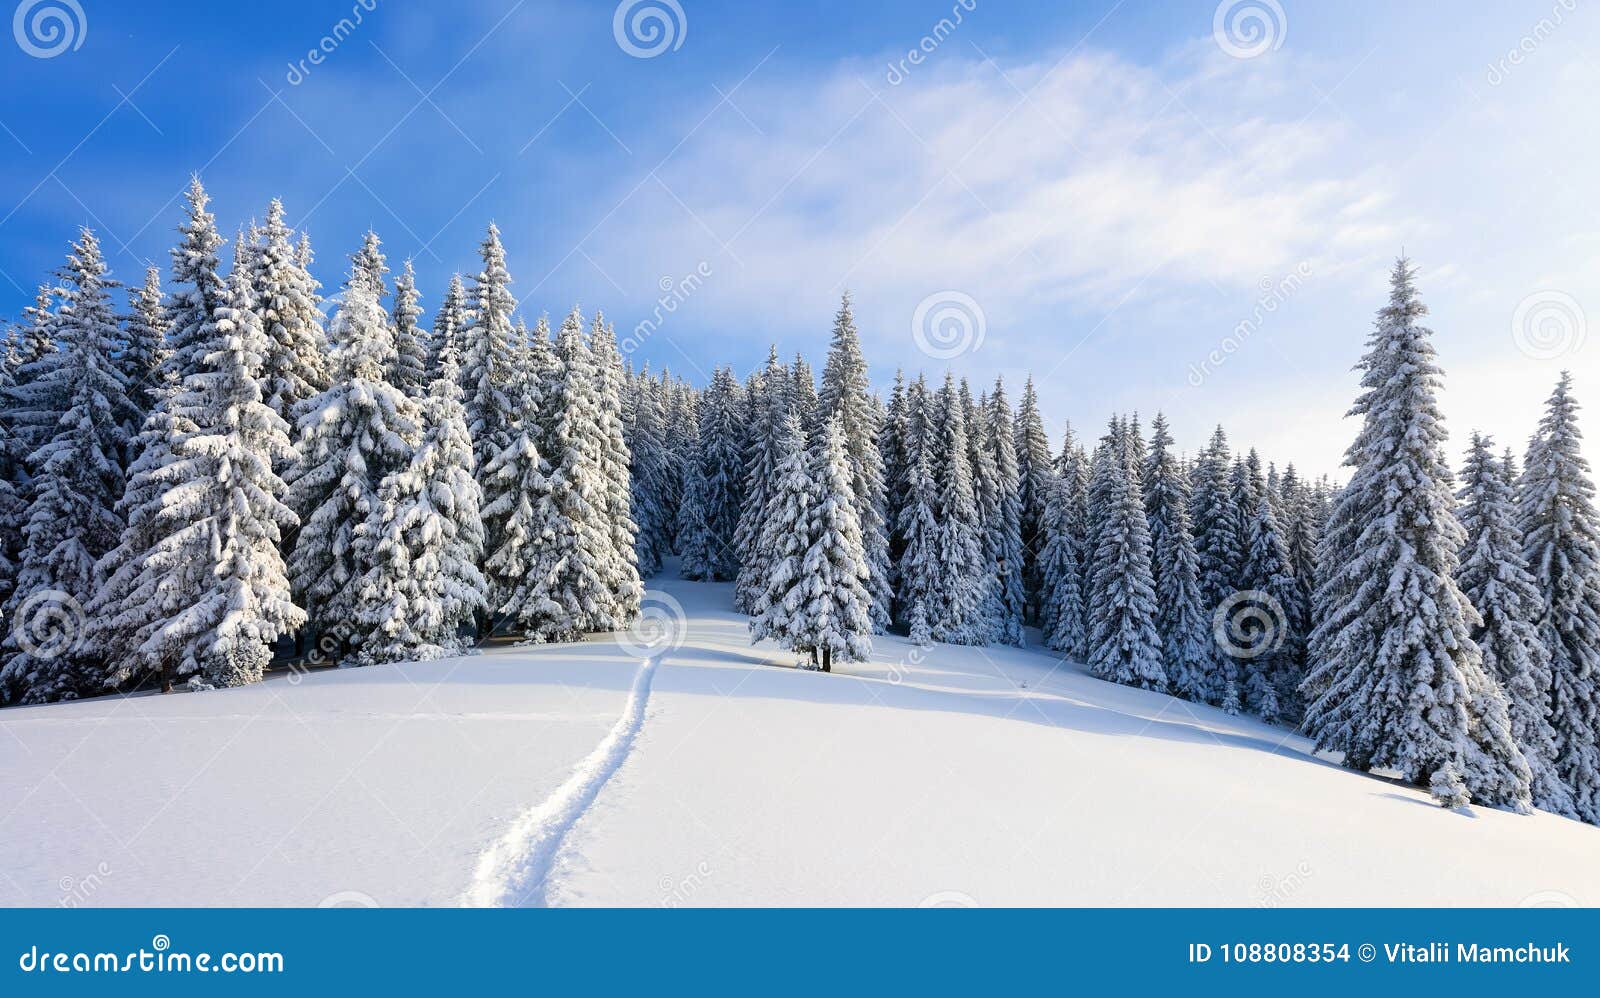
{"x": 813, "y": 952}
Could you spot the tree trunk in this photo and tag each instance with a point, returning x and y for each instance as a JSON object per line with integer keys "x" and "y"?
{"x": 166, "y": 677}
{"x": 827, "y": 660}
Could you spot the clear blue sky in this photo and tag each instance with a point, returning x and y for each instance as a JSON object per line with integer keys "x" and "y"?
{"x": 1108, "y": 183}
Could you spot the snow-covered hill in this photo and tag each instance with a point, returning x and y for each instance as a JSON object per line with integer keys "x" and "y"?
{"x": 573, "y": 774}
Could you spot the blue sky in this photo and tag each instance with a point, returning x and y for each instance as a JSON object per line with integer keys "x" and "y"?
{"x": 1112, "y": 187}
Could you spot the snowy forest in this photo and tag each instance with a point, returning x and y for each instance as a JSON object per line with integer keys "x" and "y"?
{"x": 205, "y": 478}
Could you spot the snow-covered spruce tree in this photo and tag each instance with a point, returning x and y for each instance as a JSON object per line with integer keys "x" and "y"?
{"x": 836, "y": 614}
{"x": 1270, "y": 665}
{"x": 846, "y": 393}
{"x": 1561, "y": 544}
{"x": 410, "y": 373}
{"x": 720, "y": 471}
{"x": 351, "y": 436}
{"x": 1219, "y": 545}
{"x": 595, "y": 582}
{"x": 423, "y": 585}
{"x": 1400, "y": 683}
{"x": 621, "y": 565}
{"x": 694, "y": 540}
{"x": 488, "y": 364}
{"x": 1181, "y": 620}
{"x": 892, "y": 446}
{"x": 1494, "y": 577}
{"x": 74, "y": 402}
{"x": 520, "y": 517}
{"x": 1301, "y": 527}
{"x": 1033, "y": 476}
{"x": 285, "y": 296}
{"x": 1005, "y": 529}
{"x": 920, "y": 571}
{"x": 1065, "y": 608}
{"x": 1124, "y": 646}
{"x": 652, "y": 501}
{"x": 986, "y": 500}
{"x": 143, "y": 343}
{"x": 769, "y": 397}
{"x": 803, "y": 399}
{"x": 779, "y": 609}
{"x": 126, "y": 608}
{"x": 215, "y": 578}
{"x": 447, "y": 325}
{"x": 955, "y": 610}
{"x": 368, "y": 266}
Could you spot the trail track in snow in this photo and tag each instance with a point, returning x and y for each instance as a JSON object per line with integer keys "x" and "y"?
{"x": 515, "y": 870}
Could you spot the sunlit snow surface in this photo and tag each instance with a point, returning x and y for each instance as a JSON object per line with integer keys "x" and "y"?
{"x": 946, "y": 776}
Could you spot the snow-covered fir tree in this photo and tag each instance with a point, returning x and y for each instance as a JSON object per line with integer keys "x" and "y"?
{"x": 445, "y": 335}
{"x": 351, "y": 436}
{"x": 1270, "y": 664}
{"x": 836, "y": 621}
{"x": 1561, "y": 545}
{"x": 1181, "y": 620}
{"x": 1064, "y": 610}
{"x": 779, "y": 609}
{"x": 846, "y": 393}
{"x": 651, "y": 475}
{"x": 73, "y": 401}
{"x": 215, "y": 579}
{"x": 717, "y": 483}
{"x": 920, "y": 571}
{"x": 955, "y": 609}
{"x": 143, "y": 347}
{"x": 621, "y": 565}
{"x": 410, "y": 373}
{"x": 1033, "y": 477}
{"x": 368, "y": 266}
{"x": 1124, "y": 646}
{"x": 1401, "y": 685}
{"x": 769, "y": 398}
{"x": 1005, "y": 528}
{"x": 423, "y": 586}
{"x": 488, "y": 364}
{"x": 1494, "y": 577}
{"x": 520, "y": 520}
{"x": 1216, "y": 521}
{"x": 285, "y": 297}
{"x": 127, "y": 607}
{"x": 986, "y": 501}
